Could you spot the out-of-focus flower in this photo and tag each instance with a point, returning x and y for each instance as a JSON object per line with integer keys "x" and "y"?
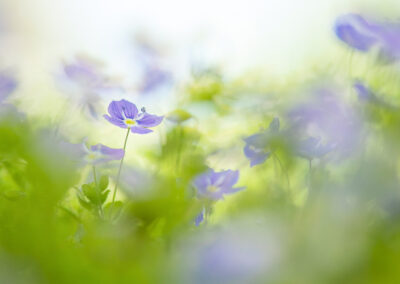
{"x": 83, "y": 81}
{"x": 99, "y": 153}
{"x": 96, "y": 154}
{"x": 367, "y": 95}
{"x": 257, "y": 148}
{"x": 125, "y": 114}
{"x": 241, "y": 254}
{"x": 363, "y": 35}
{"x": 153, "y": 78}
{"x": 363, "y": 92}
{"x": 312, "y": 148}
{"x": 200, "y": 218}
{"x": 154, "y": 74}
{"x": 355, "y": 31}
{"x": 7, "y": 85}
{"x": 213, "y": 185}
{"x": 323, "y": 125}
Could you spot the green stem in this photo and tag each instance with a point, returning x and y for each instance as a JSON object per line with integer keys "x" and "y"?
{"x": 94, "y": 175}
{"x": 283, "y": 170}
{"x": 98, "y": 191}
{"x": 120, "y": 167}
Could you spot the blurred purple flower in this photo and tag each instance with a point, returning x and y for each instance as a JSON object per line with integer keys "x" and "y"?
{"x": 355, "y": 31}
{"x": 125, "y": 114}
{"x": 363, "y": 35}
{"x": 257, "y": 146}
{"x": 200, "y": 218}
{"x": 87, "y": 74}
{"x": 312, "y": 148}
{"x": 96, "y": 154}
{"x": 213, "y": 185}
{"x": 366, "y": 94}
{"x": 153, "y": 78}
{"x": 7, "y": 85}
{"x": 84, "y": 81}
{"x": 150, "y": 59}
{"x": 363, "y": 92}
{"x": 323, "y": 125}
{"x": 242, "y": 253}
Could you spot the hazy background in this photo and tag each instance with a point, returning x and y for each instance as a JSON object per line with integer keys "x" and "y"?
{"x": 284, "y": 38}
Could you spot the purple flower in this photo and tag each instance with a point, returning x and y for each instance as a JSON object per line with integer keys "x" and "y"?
{"x": 153, "y": 78}
{"x": 86, "y": 74}
{"x": 257, "y": 146}
{"x": 312, "y": 148}
{"x": 199, "y": 218}
{"x": 98, "y": 154}
{"x": 363, "y": 35}
{"x": 7, "y": 85}
{"x": 83, "y": 81}
{"x": 213, "y": 185}
{"x": 355, "y": 31}
{"x": 364, "y": 93}
{"x": 125, "y": 114}
{"x": 324, "y": 124}
{"x": 239, "y": 253}
{"x": 367, "y": 95}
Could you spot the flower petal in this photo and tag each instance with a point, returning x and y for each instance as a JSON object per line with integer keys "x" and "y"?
{"x": 115, "y": 110}
{"x": 355, "y": 31}
{"x": 130, "y": 110}
{"x": 7, "y": 85}
{"x": 255, "y": 157}
{"x": 140, "y": 130}
{"x": 233, "y": 190}
{"x": 115, "y": 121}
{"x": 230, "y": 179}
{"x": 150, "y": 120}
{"x": 112, "y": 153}
{"x": 199, "y": 218}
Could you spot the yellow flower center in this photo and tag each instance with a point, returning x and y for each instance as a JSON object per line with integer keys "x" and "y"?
{"x": 92, "y": 156}
{"x": 130, "y": 122}
{"x": 212, "y": 188}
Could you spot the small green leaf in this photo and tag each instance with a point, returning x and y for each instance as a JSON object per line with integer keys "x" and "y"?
{"x": 104, "y": 196}
{"x": 103, "y": 184}
{"x": 178, "y": 116}
{"x": 84, "y": 203}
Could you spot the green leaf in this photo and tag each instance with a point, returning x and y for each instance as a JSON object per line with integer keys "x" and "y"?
{"x": 103, "y": 184}
{"x": 104, "y": 196}
{"x": 84, "y": 203}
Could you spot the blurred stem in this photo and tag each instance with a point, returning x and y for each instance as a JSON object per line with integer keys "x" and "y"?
{"x": 120, "y": 167}
{"x": 309, "y": 176}
{"x": 179, "y": 147}
{"x": 98, "y": 191}
{"x": 94, "y": 175}
{"x": 283, "y": 170}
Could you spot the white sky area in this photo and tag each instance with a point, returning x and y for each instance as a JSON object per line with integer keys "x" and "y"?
{"x": 276, "y": 34}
